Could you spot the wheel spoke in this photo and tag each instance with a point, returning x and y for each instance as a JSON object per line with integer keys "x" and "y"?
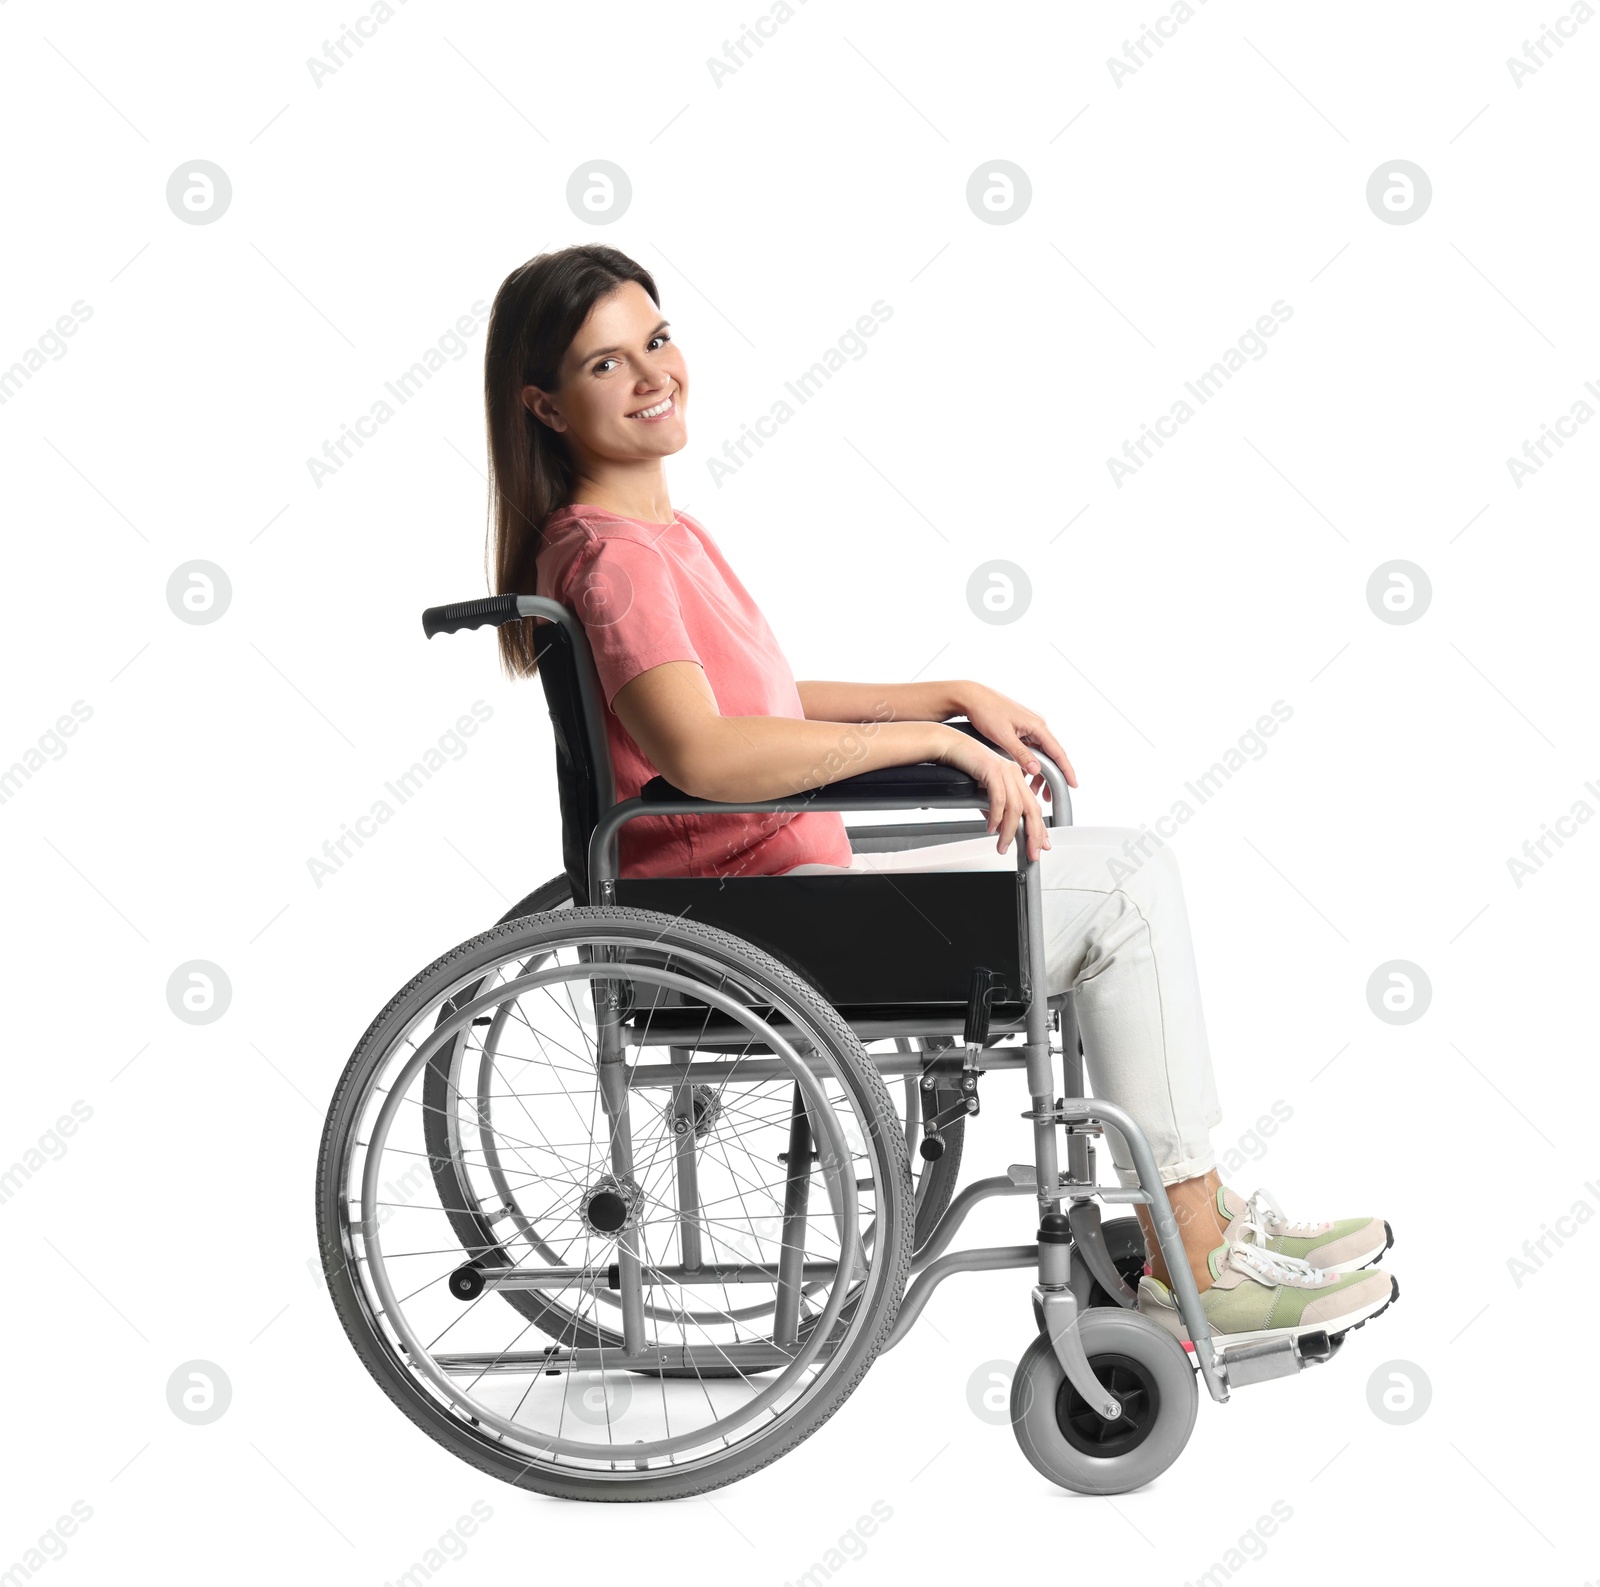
{"x": 481, "y": 1136}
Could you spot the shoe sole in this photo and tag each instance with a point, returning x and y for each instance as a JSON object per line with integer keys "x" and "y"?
{"x": 1336, "y": 1328}
{"x": 1337, "y": 1339}
{"x": 1358, "y": 1262}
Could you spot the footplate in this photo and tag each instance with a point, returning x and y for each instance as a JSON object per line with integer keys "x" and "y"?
{"x": 1273, "y": 1358}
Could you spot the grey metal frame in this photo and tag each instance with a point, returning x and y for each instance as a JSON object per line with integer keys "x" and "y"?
{"x": 1055, "y": 1295}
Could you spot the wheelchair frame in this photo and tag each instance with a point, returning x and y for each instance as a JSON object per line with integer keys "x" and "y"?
{"x": 1060, "y": 1291}
{"x": 1070, "y": 1254}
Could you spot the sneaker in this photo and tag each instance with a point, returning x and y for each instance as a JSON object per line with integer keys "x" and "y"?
{"x": 1338, "y": 1247}
{"x": 1260, "y": 1294}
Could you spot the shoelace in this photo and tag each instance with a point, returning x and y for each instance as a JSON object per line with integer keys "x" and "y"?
{"x": 1247, "y": 1251}
{"x": 1265, "y": 1211}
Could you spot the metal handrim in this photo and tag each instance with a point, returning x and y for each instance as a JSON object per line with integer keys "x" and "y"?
{"x": 842, "y": 1187}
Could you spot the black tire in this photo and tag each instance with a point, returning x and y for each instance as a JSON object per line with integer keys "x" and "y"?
{"x": 554, "y": 894}
{"x": 872, "y": 1307}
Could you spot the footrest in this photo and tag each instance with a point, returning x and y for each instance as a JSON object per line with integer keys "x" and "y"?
{"x": 1273, "y": 1358}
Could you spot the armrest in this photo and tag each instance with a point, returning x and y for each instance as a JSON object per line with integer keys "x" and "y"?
{"x": 927, "y": 784}
{"x": 923, "y": 780}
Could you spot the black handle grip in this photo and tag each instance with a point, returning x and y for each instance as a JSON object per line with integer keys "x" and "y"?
{"x": 982, "y": 990}
{"x": 496, "y": 609}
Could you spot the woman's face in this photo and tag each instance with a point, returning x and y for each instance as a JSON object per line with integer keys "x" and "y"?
{"x": 621, "y": 368}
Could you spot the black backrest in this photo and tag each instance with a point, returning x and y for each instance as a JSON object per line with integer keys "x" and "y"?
{"x": 928, "y": 930}
{"x": 583, "y": 770}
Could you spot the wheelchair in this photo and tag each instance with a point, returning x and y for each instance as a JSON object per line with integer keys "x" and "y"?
{"x": 615, "y": 1203}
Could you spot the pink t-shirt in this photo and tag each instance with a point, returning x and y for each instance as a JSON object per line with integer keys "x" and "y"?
{"x": 649, "y": 593}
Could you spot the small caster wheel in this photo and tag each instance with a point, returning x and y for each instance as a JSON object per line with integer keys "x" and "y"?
{"x": 466, "y": 1283}
{"x": 1065, "y": 1440}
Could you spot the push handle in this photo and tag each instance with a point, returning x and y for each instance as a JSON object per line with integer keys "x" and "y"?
{"x": 496, "y": 609}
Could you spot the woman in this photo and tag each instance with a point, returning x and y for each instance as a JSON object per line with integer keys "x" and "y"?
{"x": 586, "y": 395}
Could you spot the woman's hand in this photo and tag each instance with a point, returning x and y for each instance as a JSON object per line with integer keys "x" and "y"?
{"x": 1015, "y": 729}
{"x": 1011, "y": 802}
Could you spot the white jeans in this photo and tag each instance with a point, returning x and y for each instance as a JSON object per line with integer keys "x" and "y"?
{"x": 1116, "y": 936}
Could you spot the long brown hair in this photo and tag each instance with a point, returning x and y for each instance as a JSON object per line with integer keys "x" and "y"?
{"x": 538, "y": 310}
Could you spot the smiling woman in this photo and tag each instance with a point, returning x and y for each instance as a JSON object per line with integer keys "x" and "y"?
{"x": 587, "y": 395}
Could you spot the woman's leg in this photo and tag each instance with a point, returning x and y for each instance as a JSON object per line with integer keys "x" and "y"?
{"x": 1117, "y": 936}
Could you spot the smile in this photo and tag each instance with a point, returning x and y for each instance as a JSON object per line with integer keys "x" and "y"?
{"x": 660, "y": 410}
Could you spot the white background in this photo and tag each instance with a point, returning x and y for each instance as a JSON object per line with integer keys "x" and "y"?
{"x": 1167, "y": 214}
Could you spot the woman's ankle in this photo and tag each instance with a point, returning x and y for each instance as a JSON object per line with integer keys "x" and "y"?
{"x": 1194, "y": 1205}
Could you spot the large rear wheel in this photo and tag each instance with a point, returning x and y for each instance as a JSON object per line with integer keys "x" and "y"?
{"x": 711, "y": 1244}
{"x": 459, "y": 1099}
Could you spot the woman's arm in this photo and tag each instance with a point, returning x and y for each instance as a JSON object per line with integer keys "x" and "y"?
{"x": 673, "y": 717}
{"x": 999, "y": 718}
{"x": 881, "y": 702}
